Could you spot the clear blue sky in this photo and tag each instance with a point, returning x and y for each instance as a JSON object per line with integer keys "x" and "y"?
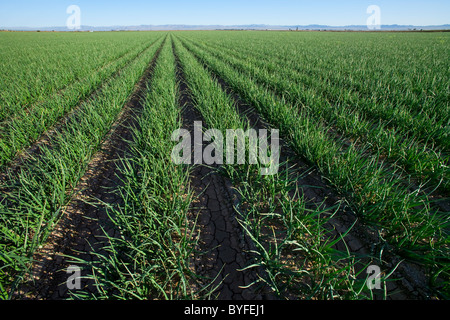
{"x": 49, "y": 13}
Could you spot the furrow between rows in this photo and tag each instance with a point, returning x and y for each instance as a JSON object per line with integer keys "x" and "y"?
{"x": 223, "y": 251}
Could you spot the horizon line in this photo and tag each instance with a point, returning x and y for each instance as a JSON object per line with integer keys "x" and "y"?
{"x": 225, "y": 25}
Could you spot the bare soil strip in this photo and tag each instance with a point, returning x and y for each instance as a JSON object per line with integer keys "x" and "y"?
{"x": 223, "y": 250}
{"x": 80, "y": 233}
{"x": 362, "y": 240}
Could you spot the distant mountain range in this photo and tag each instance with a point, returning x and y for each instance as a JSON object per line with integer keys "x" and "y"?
{"x": 173, "y": 27}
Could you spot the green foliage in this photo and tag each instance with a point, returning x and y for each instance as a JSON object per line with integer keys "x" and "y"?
{"x": 369, "y": 111}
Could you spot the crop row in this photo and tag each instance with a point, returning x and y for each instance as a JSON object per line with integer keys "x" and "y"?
{"x": 34, "y": 67}
{"x": 267, "y": 201}
{"x": 397, "y": 72}
{"x": 406, "y": 221}
{"x": 363, "y": 134}
{"x": 34, "y": 198}
{"x": 27, "y": 125}
{"x": 428, "y": 166}
{"x": 150, "y": 258}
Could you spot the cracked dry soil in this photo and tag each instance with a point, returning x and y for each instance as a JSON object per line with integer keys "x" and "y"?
{"x": 223, "y": 250}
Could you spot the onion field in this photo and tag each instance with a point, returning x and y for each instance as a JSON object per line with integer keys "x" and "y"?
{"x": 358, "y": 209}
